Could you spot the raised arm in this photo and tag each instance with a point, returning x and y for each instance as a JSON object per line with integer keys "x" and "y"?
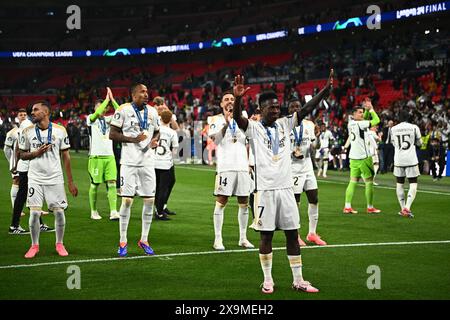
{"x": 111, "y": 97}
{"x": 100, "y": 109}
{"x": 314, "y": 102}
{"x": 239, "y": 91}
{"x": 375, "y": 120}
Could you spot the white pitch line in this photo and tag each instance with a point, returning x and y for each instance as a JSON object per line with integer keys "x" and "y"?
{"x": 338, "y": 182}
{"x": 181, "y": 254}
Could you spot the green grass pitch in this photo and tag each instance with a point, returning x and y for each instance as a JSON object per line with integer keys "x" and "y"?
{"x": 177, "y": 272}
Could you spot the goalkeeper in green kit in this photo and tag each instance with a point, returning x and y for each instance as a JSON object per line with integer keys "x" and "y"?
{"x": 361, "y": 164}
{"x": 102, "y": 164}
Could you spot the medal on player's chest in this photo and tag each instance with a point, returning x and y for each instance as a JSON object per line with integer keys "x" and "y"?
{"x": 274, "y": 142}
{"x": 297, "y": 153}
{"x": 232, "y": 126}
{"x": 143, "y": 123}
{"x": 103, "y": 127}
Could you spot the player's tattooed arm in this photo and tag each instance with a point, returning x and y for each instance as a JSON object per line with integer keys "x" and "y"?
{"x": 239, "y": 91}
{"x": 116, "y": 134}
{"x": 30, "y": 155}
{"x": 66, "y": 161}
{"x": 314, "y": 102}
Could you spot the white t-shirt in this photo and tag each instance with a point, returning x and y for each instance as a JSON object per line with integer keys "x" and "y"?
{"x": 23, "y": 165}
{"x": 168, "y": 140}
{"x": 270, "y": 173}
{"x": 304, "y": 165}
{"x": 10, "y": 141}
{"x": 136, "y": 154}
{"x": 373, "y": 145}
{"x": 46, "y": 169}
{"x": 404, "y": 136}
{"x": 231, "y": 156}
{"x": 100, "y": 144}
{"x": 325, "y": 138}
{"x": 358, "y": 133}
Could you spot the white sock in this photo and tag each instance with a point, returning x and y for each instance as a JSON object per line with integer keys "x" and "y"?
{"x": 35, "y": 226}
{"x": 401, "y": 195}
{"x": 266, "y": 266}
{"x": 313, "y": 215}
{"x": 411, "y": 195}
{"x": 375, "y": 170}
{"x": 125, "y": 212}
{"x": 348, "y": 205}
{"x": 218, "y": 220}
{"x": 14, "y": 190}
{"x": 243, "y": 221}
{"x": 296, "y": 266}
{"x": 60, "y": 225}
{"x": 325, "y": 167}
{"x": 147, "y": 216}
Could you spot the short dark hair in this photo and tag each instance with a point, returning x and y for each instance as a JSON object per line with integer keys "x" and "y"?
{"x": 356, "y": 108}
{"x": 22, "y": 110}
{"x": 225, "y": 93}
{"x": 267, "y": 95}
{"x": 44, "y": 103}
{"x": 403, "y": 116}
{"x": 135, "y": 86}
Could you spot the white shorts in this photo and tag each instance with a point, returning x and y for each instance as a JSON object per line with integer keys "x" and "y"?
{"x": 409, "y": 172}
{"x": 324, "y": 155}
{"x": 137, "y": 181}
{"x": 54, "y": 195}
{"x": 233, "y": 183}
{"x": 275, "y": 209}
{"x": 304, "y": 182}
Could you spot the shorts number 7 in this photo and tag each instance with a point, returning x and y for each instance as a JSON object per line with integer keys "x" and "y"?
{"x": 261, "y": 211}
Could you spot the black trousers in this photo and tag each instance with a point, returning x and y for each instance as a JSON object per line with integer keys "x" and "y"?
{"x": 388, "y": 154}
{"x": 21, "y": 198}
{"x": 165, "y": 180}
{"x": 441, "y": 164}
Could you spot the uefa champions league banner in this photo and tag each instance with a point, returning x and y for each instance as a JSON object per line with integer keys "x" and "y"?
{"x": 353, "y": 22}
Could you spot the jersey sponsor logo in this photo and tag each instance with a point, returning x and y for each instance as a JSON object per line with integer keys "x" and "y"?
{"x": 117, "y": 116}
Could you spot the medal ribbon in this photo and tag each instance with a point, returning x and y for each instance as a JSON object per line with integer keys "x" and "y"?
{"x": 49, "y": 137}
{"x": 142, "y": 122}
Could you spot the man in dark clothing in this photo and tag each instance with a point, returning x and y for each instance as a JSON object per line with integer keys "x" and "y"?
{"x": 437, "y": 156}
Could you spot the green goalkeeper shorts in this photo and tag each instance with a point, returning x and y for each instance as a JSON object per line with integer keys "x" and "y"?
{"x": 102, "y": 168}
{"x": 361, "y": 168}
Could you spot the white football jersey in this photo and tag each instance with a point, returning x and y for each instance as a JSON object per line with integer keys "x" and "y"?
{"x": 231, "y": 156}
{"x": 304, "y": 165}
{"x": 23, "y": 165}
{"x": 358, "y": 132}
{"x": 46, "y": 169}
{"x": 168, "y": 140}
{"x": 100, "y": 144}
{"x": 10, "y": 141}
{"x": 405, "y": 136}
{"x": 125, "y": 118}
{"x": 272, "y": 172}
{"x": 325, "y": 138}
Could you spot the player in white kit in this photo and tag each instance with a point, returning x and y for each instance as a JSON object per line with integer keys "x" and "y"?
{"x": 275, "y": 205}
{"x": 405, "y": 137}
{"x": 136, "y": 126}
{"x": 374, "y": 139}
{"x": 232, "y": 178}
{"x": 42, "y": 144}
{"x": 9, "y": 150}
{"x": 302, "y": 137}
{"x": 323, "y": 153}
